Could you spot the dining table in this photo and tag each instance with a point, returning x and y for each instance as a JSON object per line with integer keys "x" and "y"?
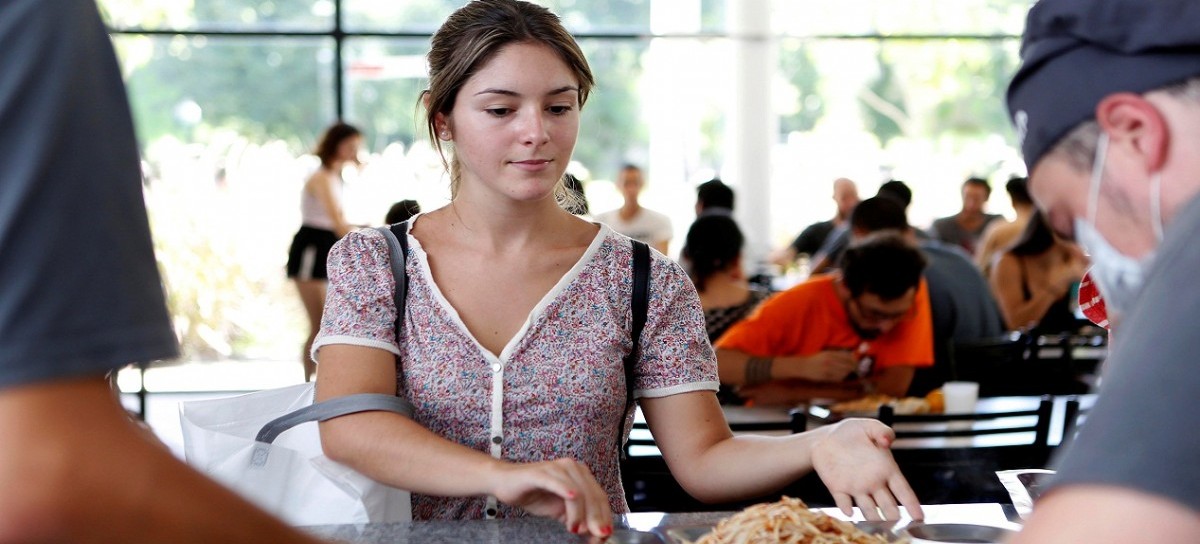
{"x": 631, "y": 528}
{"x": 817, "y": 415}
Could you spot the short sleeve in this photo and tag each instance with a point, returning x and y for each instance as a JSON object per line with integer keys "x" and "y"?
{"x": 1137, "y": 434}
{"x": 360, "y": 307}
{"x": 80, "y": 292}
{"x": 665, "y": 231}
{"x": 676, "y": 356}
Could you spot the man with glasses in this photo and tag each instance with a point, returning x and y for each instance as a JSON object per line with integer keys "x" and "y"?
{"x": 1107, "y": 106}
{"x": 862, "y": 330}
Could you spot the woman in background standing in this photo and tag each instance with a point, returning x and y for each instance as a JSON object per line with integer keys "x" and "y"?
{"x": 321, "y": 225}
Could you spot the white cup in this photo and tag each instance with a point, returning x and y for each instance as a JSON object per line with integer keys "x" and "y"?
{"x": 960, "y": 397}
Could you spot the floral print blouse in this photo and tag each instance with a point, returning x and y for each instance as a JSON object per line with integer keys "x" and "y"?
{"x": 557, "y": 388}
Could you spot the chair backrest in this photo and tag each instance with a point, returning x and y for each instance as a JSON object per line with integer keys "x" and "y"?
{"x": 1020, "y": 365}
{"x": 1073, "y": 416}
{"x": 797, "y": 422}
{"x": 1040, "y": 426}
{"x": 954, "y": 467}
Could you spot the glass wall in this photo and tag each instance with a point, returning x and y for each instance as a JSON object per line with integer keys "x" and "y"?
{"x": 229, "y": 97}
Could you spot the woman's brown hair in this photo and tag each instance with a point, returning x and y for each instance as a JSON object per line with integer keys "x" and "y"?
{"x": 471, "y": 37}
{"x": 327, "y": 148}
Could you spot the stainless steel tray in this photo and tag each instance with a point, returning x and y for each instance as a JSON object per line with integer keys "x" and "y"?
{"x": 955, "y": 533}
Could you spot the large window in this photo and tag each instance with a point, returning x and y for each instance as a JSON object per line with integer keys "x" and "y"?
{"x": 229, "y": 97}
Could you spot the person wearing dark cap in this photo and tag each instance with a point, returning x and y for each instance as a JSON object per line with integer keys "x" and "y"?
{"x": 1106, "y": 105}
{"x": 81, "y": 298}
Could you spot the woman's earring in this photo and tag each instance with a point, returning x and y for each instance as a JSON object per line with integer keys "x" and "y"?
{"x": 445, "y": 135}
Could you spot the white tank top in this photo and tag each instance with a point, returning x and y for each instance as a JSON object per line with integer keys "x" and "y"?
{"x": 312, "y": 210}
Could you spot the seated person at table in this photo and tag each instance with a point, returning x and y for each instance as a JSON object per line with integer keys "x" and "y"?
{"x": 713, "y": 260}
{"x": 964, "y": 228}
{"x": 712, "y": 257}
{"x": 808, "y": 342}
{"x": 960, "y": 300}
{"x": 1002, "y": 234}
{"x": 815, "y": 236}
{"x": 1033, "y": 280}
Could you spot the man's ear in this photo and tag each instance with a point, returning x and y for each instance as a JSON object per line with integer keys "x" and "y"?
{"x": 1136, "y": 125}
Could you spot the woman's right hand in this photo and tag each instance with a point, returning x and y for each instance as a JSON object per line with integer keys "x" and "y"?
{"x": 563, "y": 489}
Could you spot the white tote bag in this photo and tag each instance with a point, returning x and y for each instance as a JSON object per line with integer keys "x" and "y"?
{"x": 265, "y": 446}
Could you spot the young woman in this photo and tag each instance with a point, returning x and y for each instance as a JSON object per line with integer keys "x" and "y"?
{"x": 1032, "y": 280}
{"x": 713, "y": 258}
{"x": 518, "y": 316}
{"x": 322, "y": 224}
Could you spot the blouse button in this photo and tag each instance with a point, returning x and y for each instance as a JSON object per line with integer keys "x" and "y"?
{"x": 491, "y": 512}
{"x": 496, "y": 367}
{"x": 497, "y": 440}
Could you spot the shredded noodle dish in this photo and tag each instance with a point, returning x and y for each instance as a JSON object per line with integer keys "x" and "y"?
{"x": 788, "y": 521}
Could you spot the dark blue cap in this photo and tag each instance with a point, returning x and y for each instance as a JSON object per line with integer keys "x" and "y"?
{"x": 1076, "y": 52}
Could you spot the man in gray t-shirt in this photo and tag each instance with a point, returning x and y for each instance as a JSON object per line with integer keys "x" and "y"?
{"x": 1106, "y": 103}
{"x": 80, "y": 296}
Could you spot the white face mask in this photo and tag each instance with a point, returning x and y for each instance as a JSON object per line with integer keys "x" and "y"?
{"x": 1118, "y": 276}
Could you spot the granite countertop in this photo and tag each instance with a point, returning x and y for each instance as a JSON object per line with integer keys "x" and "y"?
{"x": 636, "y": 528}
{"x": 628, "y": 529}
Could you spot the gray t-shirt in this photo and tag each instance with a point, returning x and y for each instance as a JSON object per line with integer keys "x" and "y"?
{"x": 80, "y": 292}
{"x": 962, "y": 307}
{"x": 1141, "y": 432}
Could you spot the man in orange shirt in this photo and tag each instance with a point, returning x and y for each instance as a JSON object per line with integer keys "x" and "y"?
{"x": 862, "y": 330}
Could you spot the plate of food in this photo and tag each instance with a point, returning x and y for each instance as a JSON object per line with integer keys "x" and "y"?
{"x": 868, "y": 406}
{"x": 788, "y": 520}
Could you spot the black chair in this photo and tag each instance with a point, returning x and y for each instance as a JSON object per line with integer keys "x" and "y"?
{"x": 650, "y": 487}
{"x": 1022, "y": 365}
{"x": 942, "y": 474}
{"x": 1073, "y": 416}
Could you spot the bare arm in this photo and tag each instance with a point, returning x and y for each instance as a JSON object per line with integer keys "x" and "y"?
{"x": 397, "y": 451}
{"x": 319, "y": 184}
{"x": 1108, "y": 515}
{"x": 784, "y": 256}
{"x": 852, "y": 458}
{"x": 83, "y": 472}
{"x": 892, "y": 381}
{"x": 662, "y": 246}
{"x": 1006, "y": 286}
{"x": 734, "y": 367}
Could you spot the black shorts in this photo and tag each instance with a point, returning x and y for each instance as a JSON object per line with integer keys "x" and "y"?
{"x": 310, "y": 249}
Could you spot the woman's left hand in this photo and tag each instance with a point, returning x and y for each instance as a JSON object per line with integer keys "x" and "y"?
{"x": 855, "y": 462}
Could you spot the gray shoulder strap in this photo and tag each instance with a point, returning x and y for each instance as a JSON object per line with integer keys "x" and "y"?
{"x": 322, "y": 411}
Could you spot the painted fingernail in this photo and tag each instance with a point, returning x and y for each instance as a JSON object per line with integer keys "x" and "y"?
{"x": 606, "y": 531}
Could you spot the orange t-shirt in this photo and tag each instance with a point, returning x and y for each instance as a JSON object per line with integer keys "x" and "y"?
{"x": 809, "y": 318}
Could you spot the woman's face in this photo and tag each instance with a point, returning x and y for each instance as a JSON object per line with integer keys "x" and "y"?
{"x": 514, "y": 124}
{"x": 348, "y": 149}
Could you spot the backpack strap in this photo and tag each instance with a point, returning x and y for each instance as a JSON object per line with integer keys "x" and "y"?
{"x": 397, "y": 239}
{"x": 639, "y": 305}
